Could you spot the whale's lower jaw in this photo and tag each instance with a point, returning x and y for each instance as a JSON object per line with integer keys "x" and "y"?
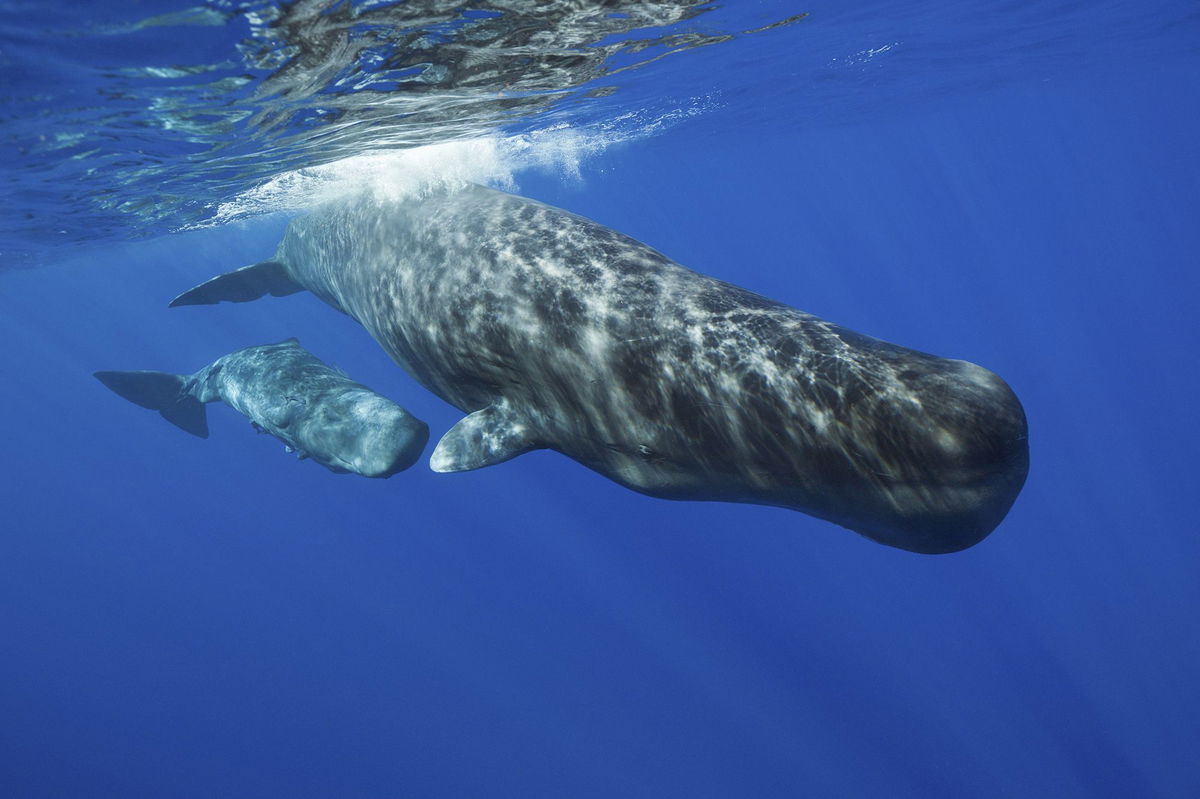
{"x": 915, "y": 517}
{"x": 931, "y": 533}
{"x": 959, "y": 520}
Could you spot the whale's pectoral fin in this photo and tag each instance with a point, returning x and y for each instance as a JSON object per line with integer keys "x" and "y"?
{"x": 242, "y": 285}
{"x": 492, "y": 435}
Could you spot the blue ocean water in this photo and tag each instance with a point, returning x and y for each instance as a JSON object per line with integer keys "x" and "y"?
{"x": 1016, "y": 184}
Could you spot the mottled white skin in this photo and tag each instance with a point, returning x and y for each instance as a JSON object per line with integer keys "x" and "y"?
{"x": 314, "y": 409}
{"x": 585, "y": 341}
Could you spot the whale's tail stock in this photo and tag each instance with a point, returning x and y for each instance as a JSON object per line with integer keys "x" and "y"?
{"x": 163, "y": 392}
{"x": 242, "y": 285}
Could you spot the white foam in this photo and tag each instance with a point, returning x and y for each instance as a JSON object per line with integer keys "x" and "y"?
{"x": 491, "y": 160}
{"x": 392, "y": 174}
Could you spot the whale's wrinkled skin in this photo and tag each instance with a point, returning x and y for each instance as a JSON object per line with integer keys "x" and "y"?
{"x": 552, "y": 331}
{"x": 286, "y": 391}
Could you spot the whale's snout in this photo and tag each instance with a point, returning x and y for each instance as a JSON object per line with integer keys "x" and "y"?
{"x": 380, "y": 438}
{"x": 359, "y": 431}
{"x": 391, "y": 448}
{"x": 970, "y": 463}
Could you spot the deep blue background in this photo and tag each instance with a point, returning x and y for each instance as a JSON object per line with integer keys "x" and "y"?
{"x": 193, "y": 618}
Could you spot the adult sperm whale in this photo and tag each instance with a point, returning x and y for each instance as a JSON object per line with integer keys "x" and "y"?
{"x": 288, "y": 392}
{"x": 552, "y": 331}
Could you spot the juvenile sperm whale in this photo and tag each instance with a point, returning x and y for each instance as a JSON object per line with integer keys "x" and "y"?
{"x": 552, "y": 331}
{"x": 286, "y": 391}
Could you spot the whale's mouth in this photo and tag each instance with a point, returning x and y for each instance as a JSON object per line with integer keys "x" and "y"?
{"x": 343, "y": 463}
{"x": 365, "y": 467}
{"x": 937, "y": 519}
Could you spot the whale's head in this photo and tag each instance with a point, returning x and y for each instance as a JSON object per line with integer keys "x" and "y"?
{"x": 910, "y": 450}
{"x": 950, "y": 460}
{"x": 356, "y": 430}
{"x": 918, "y": 452}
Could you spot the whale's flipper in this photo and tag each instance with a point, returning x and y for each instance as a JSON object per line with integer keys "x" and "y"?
{"x": 492, "y": 435}
{"x": 242, "y": 285}
{"x": 162, "y": 392}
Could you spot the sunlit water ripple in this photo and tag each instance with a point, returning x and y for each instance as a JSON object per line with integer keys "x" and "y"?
{"x": 144, "y": 125}
{"x": 139, "y": 120}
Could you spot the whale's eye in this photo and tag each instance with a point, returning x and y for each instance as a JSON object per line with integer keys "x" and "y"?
{"x": 650, "y": 456}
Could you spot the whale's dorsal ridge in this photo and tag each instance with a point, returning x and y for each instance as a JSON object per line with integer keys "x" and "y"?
{"x": 483, "y": 438}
